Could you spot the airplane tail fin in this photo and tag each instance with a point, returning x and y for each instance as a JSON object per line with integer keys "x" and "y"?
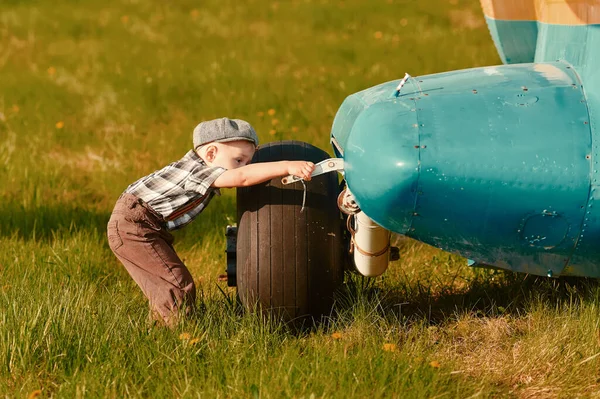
{"x": 545, "y": 30}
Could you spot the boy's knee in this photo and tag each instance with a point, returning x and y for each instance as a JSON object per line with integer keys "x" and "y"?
{"x": 189, "y": 291}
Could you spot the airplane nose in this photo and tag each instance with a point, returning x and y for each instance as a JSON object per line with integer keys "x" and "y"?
{"x": 463, "y": 160}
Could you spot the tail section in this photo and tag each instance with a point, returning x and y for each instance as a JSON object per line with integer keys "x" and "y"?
{"x": 545, "y": 30}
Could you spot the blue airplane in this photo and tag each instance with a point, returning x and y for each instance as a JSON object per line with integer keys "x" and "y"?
{"x": 498, "y": 164}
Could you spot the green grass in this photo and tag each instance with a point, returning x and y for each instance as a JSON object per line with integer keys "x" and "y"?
{"x": 95, "y": 94}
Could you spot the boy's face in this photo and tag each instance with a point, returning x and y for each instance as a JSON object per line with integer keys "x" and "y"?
{"x": 232, "y": 154}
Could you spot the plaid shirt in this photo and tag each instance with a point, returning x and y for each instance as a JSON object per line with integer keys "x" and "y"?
{"x": 179, "y": 191}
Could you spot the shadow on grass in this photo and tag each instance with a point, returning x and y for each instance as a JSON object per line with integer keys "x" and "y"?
{"x": 507, "y": 293}
{"x": 45, "y": 221}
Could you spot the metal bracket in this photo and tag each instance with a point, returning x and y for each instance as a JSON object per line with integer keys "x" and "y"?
{"x": 347, "y": 203}
{"x": 328, "y": 165}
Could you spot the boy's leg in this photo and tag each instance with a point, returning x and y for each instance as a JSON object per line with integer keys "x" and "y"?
{"x": 146, "y": 251}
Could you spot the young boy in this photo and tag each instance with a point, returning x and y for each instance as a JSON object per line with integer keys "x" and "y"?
{"x": 168, "y": 199}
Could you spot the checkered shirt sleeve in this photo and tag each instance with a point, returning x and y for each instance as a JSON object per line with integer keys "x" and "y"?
{"x": 179, "y": 191}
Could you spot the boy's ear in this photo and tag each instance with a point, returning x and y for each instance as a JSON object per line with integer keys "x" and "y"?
{"x": 211, "y": 152}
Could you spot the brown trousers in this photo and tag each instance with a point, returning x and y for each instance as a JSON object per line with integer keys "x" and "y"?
{"x": 137, "y": 236}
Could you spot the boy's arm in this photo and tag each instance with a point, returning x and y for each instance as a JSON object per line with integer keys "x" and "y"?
{"x": 252, "y": 174}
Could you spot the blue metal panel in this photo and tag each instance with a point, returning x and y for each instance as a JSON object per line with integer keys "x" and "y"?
{"x": 508, "y": 159}
{"x": 579, "y": 45}
{"x": 384, "y": 145}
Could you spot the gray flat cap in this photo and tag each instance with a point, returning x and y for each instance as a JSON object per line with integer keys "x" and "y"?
{"x": 222, "y": 130}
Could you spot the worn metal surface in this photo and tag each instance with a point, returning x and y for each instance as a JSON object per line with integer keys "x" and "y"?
{"x": 498, "y": 164}
{"x": 547, "y": 30}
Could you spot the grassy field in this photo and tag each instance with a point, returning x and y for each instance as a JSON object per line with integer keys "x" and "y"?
{"x": 95, "y": 94}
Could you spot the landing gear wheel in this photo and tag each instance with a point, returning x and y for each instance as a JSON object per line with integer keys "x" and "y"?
{"x": 289, "y": 262}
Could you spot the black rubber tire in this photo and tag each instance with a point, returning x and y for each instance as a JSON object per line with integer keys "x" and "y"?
{"x": 289, "y": 262}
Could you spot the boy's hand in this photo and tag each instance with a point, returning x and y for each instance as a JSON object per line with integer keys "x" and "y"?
{"x": 301, "y": 169}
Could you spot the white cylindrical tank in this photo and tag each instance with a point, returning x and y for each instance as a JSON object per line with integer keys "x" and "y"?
{"x": 371, "y": 245}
